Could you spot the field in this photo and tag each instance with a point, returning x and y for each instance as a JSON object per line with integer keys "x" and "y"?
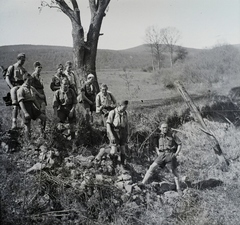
{"x": 70, "y": 190}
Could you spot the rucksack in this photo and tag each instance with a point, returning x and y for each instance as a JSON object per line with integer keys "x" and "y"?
{"x": 4, "y": 71}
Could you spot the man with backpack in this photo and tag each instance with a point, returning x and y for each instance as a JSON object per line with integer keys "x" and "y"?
{"x": 105, "y": 102}
{"x": 26, "y": 95}
{"x": 14, "y": 79}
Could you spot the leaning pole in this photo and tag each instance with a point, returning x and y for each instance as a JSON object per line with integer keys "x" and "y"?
{"x": 203, "y": 127}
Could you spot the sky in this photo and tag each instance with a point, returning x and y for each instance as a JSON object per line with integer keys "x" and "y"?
{"x": 201, "y": 23}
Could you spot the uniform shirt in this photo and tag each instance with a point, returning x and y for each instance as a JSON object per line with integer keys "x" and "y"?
{"x": 117, "y": 119}
{"x": 71, "y": 77}
{"x": 89, "y": 91}
{"x": 26, "y": 93}
{"x": 18, "y": 72}
{"x": 102, "y": 100}
{"x": 168, "y": 142}
{"x": 56, "y": 81}
{"x": 62, "y": 98}
{"x": 37, "y": 83}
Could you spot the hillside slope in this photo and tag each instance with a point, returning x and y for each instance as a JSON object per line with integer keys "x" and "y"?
{"x": 137, "y": 57}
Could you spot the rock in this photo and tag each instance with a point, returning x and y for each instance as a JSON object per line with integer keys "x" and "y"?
{"x": 124, "y": 177}
{"x": 36, "y": 167}
{"x": 99, "y": 177}
{"x": 120, "y": 185}
{"x": 69, "y": 165}
{"x": 166, "y": 186}
{"x": 43, "y": 148}
{"x": 125, "y": 197}
{"x": 128, "y": 188}
{"x": 207, "y": 184}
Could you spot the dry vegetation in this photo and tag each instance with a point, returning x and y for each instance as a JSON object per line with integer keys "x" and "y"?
{"x": 73, "y": 191}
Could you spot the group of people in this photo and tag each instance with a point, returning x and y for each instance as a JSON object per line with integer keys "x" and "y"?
{"x": 28, "y": 97}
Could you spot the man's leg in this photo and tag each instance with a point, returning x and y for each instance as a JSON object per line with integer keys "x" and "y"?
{"x": 113, "y": 155}
{"x": 87, "y": 114}
{"x": 123, "y": 154}
{"x": 43, "y": 120}
{"x": 14, "y": 116}
{"x": 27, "y": 130}
{"x": 13, "y": 93}
{"x": 102, "y": 151}
{"x": 149, "y": 172}
{"x": 175, "y": 173}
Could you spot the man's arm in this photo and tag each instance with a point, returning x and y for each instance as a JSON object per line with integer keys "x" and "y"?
{"x": 8, "y": 74}
{"x": 55, "y": 102}
{"x": 20, "y": 97}
{"x": 179, "y": 147}
{"x": 85, "y": 98}
{"x": 109, "y": 125}
{"x": 99, "y": 107}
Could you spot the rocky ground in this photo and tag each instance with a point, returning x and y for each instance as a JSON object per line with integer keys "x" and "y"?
{"x": 55, "y": 180}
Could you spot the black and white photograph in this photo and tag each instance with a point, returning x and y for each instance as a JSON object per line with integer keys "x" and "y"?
{"x": 119, "y": 112}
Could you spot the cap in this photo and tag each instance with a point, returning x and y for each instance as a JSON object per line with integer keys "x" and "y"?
{"x": 36, "y": 64}
{"x": 21, "y": 55}
{"x": 163, "y": 124}
{"x": 68, "y": 63}
{"x": 90, "y": 76}
{"x": 60, "y": 66}
{"x": 124, "y": 102}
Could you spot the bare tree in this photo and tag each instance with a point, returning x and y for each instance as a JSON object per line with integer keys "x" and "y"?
{"x": 154, "y": 39}
{"x": 84, "y": 51}
{"x": 170, "y": 37}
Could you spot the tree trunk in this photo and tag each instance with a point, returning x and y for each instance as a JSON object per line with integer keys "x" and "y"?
{"x": 84, "y": 52}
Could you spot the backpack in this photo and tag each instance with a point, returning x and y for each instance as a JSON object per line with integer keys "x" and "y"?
{"x": 4, "y": 71}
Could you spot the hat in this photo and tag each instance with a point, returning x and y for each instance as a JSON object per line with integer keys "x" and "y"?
{"x": 36, "y": 64}
{"x": 60, "y": 66}
{"x": 68, "y": 63}
{"x": 90, "y": 76}
{"x": 124, "y": 102}
{"x": 21, "y": 55}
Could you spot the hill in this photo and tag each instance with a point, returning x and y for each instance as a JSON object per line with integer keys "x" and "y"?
{"x": 133, "y": 58}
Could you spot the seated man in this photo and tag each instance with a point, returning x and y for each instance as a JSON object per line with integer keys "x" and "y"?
{"x": 105, "y": 102}
{"x": 26, "y": 95}
{"x": 64, "y": 105}
{"x": 117, "y": 129}
{"x": 167, "y": 150}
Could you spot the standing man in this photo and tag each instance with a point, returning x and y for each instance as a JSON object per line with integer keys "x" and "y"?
{"x": 64, "y": 105}
{"x": 71, "y": 76}
{"x": 88, "y": 93}
{"x": 168, "y": 148}
{"x": 117, "y": 129}
{"x": 37, "y": 83}
{"x": 14, "y": 79}
{"x": 57, "y": 79}
{"x": 105, "y": 102}
{"x": 26, "y": 95}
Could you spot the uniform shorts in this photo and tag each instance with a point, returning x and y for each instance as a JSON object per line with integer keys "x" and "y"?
{"x": 63, "y": 115}
{"x": 165, "y": 158}
{"x": 86, "y": 105}
{"x": 32, "y": 110}
{"x": 120, "y": 137}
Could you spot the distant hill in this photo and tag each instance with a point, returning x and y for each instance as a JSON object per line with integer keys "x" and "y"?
{"x": 136, "y": 57}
